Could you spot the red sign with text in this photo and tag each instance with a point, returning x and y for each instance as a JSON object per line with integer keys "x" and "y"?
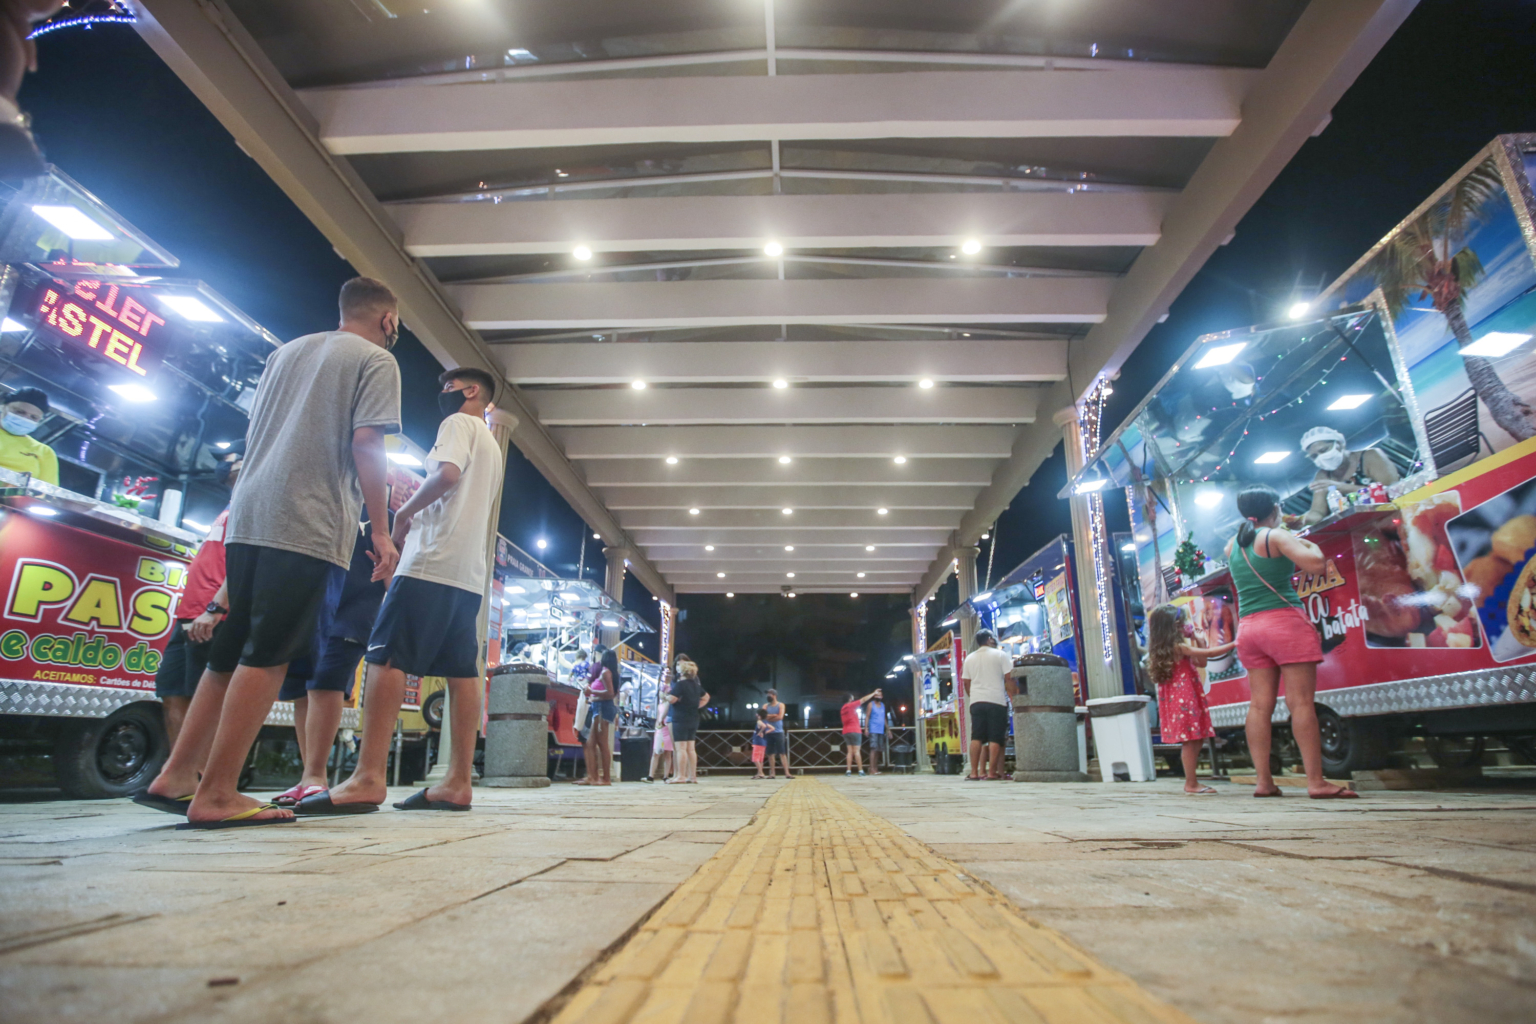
{"x": 106, "y": 318}
{"x": 81, "y": 608}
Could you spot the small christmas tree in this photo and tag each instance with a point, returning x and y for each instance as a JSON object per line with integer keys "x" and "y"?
{"x": 1189, "y": 560}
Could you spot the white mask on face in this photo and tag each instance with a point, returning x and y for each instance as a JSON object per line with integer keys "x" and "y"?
{"x": 1329, "y": 460}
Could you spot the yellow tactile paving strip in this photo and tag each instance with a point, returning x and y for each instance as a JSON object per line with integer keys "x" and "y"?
{"x": 820, "y": 912}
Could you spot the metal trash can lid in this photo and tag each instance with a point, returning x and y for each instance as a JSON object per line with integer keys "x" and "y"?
{"x": 1105, "y": 707}
{"x": 1028, "y": 660}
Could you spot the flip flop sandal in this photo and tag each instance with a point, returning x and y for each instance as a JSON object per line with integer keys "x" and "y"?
{"x": 321, "y": 803}
{"x": 973, "y": 778}
{"x": 1341, "y": 794}
{"x": 1261, "y": 796}
{"x": 420, "y": 802}
{"x": 168, "y": 804}
{"x": 245, "y": 819}
{"x": 292, "y": 796}
{"x": 1202, "y": 791}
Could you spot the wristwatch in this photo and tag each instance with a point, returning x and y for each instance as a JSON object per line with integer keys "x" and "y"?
{"x": 214, "y": 609}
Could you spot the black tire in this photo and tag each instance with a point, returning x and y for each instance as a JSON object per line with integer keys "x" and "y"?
{"x": 1456, "y": 751}
{"x": 432, "y": 709}
{"x": 1350, "y": 744}
{"x": 112, "y": 756}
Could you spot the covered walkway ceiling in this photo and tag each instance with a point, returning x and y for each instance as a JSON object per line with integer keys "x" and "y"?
{"x": 789, "y": 291}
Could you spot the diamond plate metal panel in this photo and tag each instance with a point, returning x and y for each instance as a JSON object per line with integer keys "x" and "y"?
{"x": 1515, "y": 685}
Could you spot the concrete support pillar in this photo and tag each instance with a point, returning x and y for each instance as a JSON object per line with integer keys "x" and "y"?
{"x": 965, "y": 575}
{"x": 1101, "y": 677}
{"x": 614, "y": 586}
{"x": 919, "y": 616}
{"x": 502, "y": 424}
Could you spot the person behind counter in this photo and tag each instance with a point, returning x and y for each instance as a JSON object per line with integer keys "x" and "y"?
{"x": 427, "y": 626}
{"x": 1339, "y": 467}
{"x": 314, "y": 459}
{"x": 19, "y": 451}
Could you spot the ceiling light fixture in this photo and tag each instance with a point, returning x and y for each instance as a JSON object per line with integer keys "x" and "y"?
{"x": 190, "y": 307}
{"x": 638, "y": 385}
{"x": 581, "y": 252}
{"x": 881, "y": 511}
{"x": 719, "y": 575}
{"x": 869, "y": 547}
{"x": 73, "y": 223}
{"x": 134, "y": 392}
{"x": 1344, "y": 402}
{"x": 693, "y": 511}
{"x": 789, "y": 575}
{"x": 785, "y": 460}
{"x": 788, "y": 511}
{"x": 970, "y": 246}
{"x": 541, "y": 543}
{"x": 789, "y": 547}
{"x": 773, "y": 249}
{"x": 729, "y": 594}
{"x": 671, "y": 460}
{"x": 925, "y": 383}
{"x": 900, "y": 460}
{"x": 709, "y": 547}
{"x": 854, "y": 594}
{"x": 1299, "y": 310}
{"x": 858, "y": 575}
{"x": 1221, "y": 355}
{"x": 1270, "y": 458}
{"x": 781, "y": 383}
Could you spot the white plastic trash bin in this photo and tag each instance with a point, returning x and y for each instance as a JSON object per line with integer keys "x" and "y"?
{"x": 1082, "y": 738}
{"x": 1123, "y": 737}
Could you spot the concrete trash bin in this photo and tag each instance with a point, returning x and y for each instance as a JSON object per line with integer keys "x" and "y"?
{"x": 517, "y": 730}
{"x": 1123, "y": 737}
{"x": 1045, "y": 721}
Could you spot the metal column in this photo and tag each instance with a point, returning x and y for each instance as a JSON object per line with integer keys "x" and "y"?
{"x": 1100, "y": 676}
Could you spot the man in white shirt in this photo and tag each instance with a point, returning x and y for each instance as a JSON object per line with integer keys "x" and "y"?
{"x": 988, "y": 687}
{"x": 426, "y": 626}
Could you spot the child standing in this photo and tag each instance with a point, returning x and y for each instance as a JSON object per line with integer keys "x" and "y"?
{"x": 1182, "y": 713}
{"x": 760, "y": 742}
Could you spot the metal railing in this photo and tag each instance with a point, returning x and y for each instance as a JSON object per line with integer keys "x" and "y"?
{"x": 809, "y": 749}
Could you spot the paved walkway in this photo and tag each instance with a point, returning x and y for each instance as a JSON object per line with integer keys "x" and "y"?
{"x": 901, "y": 899}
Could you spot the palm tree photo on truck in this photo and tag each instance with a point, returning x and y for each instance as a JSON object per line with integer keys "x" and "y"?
{"x": 1428, "y": 258}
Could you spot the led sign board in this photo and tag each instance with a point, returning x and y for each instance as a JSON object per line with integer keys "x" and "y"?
{"x": 106, "y": 318}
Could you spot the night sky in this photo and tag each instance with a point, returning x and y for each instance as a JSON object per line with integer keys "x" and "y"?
{"x": 113, "y": 117}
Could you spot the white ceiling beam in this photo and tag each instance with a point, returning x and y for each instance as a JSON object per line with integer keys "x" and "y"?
{"x": 802, "y": 578}
{"x": 797, "y": 222}
{"x": 641, "y": 304}
{"x": 758, "y": 473}
{"x": 797, "y": 563}
{"x": 595, "y": 407}
{"x": 774, "y": 537}
{"x": 718, "y": 587}
{"x": 1118, "y": 102}
{"x": 726, "y": 442}
{"x": 1327, "y": 48}
{"x": 865, "y": 522}
{"x": 966, "y": 360}
{"x": 829, "y": 553}
{"x": 776, "y": 498}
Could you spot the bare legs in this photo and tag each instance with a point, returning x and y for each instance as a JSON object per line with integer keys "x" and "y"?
{"x": 989, "y": 756}
{"x": 175, "y": 711}
{"x": 316, "y": 717}
{"x": 685, "y": 761}
{"x": 874, "y": 756}
{"x": 222, "y": 722}
{"x": 661, "y": 763}
{"x": 1300, "y": 688}
{"x": 1189, "y": 754}
{"x": 381, "y": 706}
{"x": 855, "y": 757}
{"x": 189, "y": 749}
{"x": 600, "y": 773}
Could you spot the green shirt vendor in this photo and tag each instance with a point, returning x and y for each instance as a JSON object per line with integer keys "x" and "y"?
{"x": 19, "y": 452}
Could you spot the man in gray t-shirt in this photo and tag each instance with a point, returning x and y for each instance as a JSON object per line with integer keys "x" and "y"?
{"x": 314, "y": 457}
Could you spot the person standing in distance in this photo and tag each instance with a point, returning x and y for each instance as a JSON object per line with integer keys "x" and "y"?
{"x": 314, "y": 457}
{"x": 988, "y": 687}
{"x": 778, "y": 740}
{"x": 878, "y": 736}
{"x": 427, "y": 626}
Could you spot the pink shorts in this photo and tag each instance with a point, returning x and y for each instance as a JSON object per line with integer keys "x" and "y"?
{"x": 757, "y": 753}
{"x": 1279, "y": 636}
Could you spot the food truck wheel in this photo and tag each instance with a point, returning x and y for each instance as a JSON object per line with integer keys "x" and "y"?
{"x": 1456, "y": 751}
{"x": 111, "y": 756}
{"x": 432, "y": 709}
{"x": 1350, "y": 744}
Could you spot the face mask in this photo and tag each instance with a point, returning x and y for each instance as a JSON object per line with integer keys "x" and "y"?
{"x": 15, "y": 423}
{"x": 1239, "y": 389}
{"x": 392, "y": 335}
{"x": 1329, "y": 460}
{"x": 450, "y": 402}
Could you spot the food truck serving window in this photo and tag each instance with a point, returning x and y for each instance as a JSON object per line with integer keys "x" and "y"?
{"x": 111, "y": 320}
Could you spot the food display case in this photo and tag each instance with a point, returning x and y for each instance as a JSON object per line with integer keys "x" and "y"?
{"x": 1422, "y": 372}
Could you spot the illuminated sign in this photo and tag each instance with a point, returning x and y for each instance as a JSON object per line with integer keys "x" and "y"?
{"x": 105, "y": 318}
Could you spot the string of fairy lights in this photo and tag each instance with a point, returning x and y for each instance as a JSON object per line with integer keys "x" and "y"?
{"x": 84, "y": 14}
{"x": 1090, "y": 416}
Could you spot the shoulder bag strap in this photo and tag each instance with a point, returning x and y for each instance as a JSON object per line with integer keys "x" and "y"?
{"x": 1261, "y": 578}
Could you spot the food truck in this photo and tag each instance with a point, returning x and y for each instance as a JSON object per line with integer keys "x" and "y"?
{"x": 938, "y": 704}
{"x": 149, "y": 378}
{"x": 1396, "y": 417}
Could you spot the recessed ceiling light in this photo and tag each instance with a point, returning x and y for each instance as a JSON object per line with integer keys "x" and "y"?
{"x": 781, "y": 383}
{"x": 581, "y": 252}
{"x": 134, "y": 392}
{"x": 881, "y": 511}
{"x": 1299, "y": 310}
{"x": 719, "y": 575}
{"x": 854, "y": 594}
{"x": 597, "y": 536}
{"x": 693, "y": 511}
{"x": 729, "y": 594}
{"x": 970, "y": 246}
{"x": 790, "y": 594}
{"x": 709, "y": 547}
{"x": 785, "y": 460}
{"x": 859, "y": 575}
{"x": 1270, "y": 458}
{"x": 1221, "y": 355}
{"x": 925, "y": 383}
{"x": 1208, "y": 498}
{"x": 1348, "y": 402}
{"x": 900, "y": 460}
{"x": 773, "y": 249}
{"x": 671, "y": 460}
{"x": 638, "y": 385}
{"x": 789, "y": 547}
{"x": 73, "y": 223}
{"x": 1495, "y": 344}
{"x": 869, "y": 547}
{"x": 788, "y": 511}
{"x": 541, "y": 543}
{"x": 789, "y": 575}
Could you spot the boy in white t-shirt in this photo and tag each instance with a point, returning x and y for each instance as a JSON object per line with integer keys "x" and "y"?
{"x": 426, "y": 626}
{"x": 988, "y": 688}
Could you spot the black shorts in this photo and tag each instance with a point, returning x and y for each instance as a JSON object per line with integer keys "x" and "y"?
{"x": 276, "y": 599}
{"x": 182, "y": 664}
{"x": 427, "y": 629}
{"x": 989, "y": 723}
{"x": 336, "y": 671}
{"x": 776, "y": 745}
{"x": 684, "y": 732}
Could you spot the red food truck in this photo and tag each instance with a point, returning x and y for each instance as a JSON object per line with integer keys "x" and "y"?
{"x": 1398, "y": 426}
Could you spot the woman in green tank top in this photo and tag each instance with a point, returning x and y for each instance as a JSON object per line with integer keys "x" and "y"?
{"x": 1275, "y": 640}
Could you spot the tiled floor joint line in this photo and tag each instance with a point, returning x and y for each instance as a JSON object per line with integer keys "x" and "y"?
{"x": 821, "y": 912}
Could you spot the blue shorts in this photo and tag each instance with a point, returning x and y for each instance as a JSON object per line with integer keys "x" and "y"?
{"x": 607, "y": 708}
{"x": 336, "y": 671}
{"x": 427, "y": 629}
